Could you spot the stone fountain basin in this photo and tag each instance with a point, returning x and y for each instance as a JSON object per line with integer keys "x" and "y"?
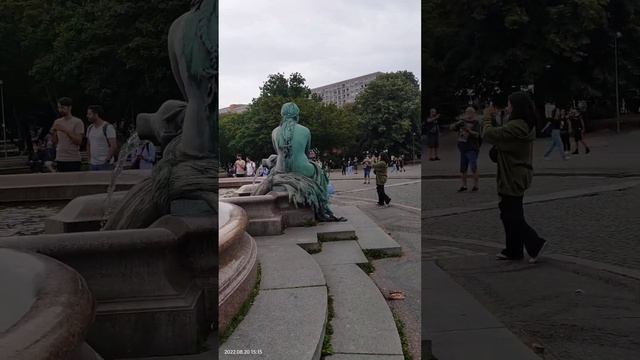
{"x": 45, "y": 308}
{"x": 238, "y": 262}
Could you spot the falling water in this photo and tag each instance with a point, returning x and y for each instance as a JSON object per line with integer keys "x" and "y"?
{"x": 127, "y": 149}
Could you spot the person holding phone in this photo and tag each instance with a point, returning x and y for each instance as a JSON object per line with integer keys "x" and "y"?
{"x": 514, "y": 144}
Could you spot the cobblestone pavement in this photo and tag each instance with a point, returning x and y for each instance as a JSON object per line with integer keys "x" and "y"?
{"x": 611, "y": 153}
{"x": 601, "y": 228}
{"x": 575, "y": 311}
{"x": 440, "y": 194}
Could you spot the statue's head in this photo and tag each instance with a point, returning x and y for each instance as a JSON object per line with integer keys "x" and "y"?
{"x": 290, "y": 111}
{"x": 164, "y": 125}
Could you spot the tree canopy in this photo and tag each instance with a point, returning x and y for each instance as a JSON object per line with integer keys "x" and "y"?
{"x": 111, "y": 52}
{"x": 564, "y": 48}
{"x": 382, "y": 118}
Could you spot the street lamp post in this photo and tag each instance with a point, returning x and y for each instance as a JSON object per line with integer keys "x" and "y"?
{"x": 413, "y": 146}
{"x": 4, "y": 124}
{"x": 615, "y": 45}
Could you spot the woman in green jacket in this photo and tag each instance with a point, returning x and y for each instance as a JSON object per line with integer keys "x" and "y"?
{"x": 514, "y": 144}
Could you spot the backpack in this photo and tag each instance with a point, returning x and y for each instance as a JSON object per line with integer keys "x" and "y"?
{"x": 104, "y": 132}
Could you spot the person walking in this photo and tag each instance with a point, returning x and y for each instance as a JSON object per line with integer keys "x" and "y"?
{"x": 380, "y": 170}
{"x": 433, "y": 135}
{"x": 468, "y": 130}
{"x": 514, "y": 145}
{"x": 67, "y": 133}
{"x": 577, "y": 123}
{"x": 366, "y": 165}
{"x": 556, "y": 140}
{"x": 565, "y": 131}
{"x": 344, "y": 166}
{"x": 355, "y": 165}
{"x": 101, "y": 140}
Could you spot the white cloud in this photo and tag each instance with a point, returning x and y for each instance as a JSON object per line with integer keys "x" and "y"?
{"x": 326, "y": 41}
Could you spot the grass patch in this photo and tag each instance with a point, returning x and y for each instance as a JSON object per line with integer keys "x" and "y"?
{"x": 309, "y": 223}
{"x": 378, "y": 254}
{"x": 403, "y": 337}
{"x": 324, "y": 239}
{"x": 315, "y": 251}
{"x": 244, "y": 309}
{"x": 327, "y": 348}
{"x": 367, "y": 267}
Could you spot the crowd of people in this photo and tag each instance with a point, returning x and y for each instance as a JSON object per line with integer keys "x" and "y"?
{"x": 562, "y": 125}
{"x": 59, "y": 150}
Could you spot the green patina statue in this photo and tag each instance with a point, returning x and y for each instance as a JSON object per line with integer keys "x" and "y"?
{"x": 185, "y": 129}
{"x": 304, "y": 180}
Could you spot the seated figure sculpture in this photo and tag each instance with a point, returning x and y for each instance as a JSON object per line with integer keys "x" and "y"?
{"x": 304, "y": 180}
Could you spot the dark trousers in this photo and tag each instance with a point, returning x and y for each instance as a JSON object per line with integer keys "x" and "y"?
{"x": 566, "y": 141}
{"x": 383, "y": 198}
{"x": 516, "y": 229}
{"x": 68, "y": 166}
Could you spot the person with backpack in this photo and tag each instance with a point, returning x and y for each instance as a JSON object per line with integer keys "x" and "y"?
{"x": 101, "y": 140}
{"x": 513, "y": 142}
{"x": 145, "y": 157}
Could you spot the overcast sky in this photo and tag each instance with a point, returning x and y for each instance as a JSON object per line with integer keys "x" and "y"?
{"x": 326, "y": 41}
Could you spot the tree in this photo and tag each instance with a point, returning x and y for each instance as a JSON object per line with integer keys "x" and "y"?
{"x": 332, "y": 128}
{"x": 112, "y": 52}
{"x": 389, "y": 111}
{"x": 565, "y": 48}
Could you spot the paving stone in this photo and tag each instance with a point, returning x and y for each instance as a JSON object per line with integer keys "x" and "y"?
{"x": 363, "y": 323}
{"x": 481, "y": 344}
{"x": 295, "y": 317}
{"x": 335, "y": 231}
{"x": 447, "y": 306}
{"x": 370, "y": 235}
{"x": 340, "y": 253}
{"x": 288, "y": 266}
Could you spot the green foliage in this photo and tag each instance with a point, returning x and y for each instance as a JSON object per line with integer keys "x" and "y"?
{"x": 249, "y": 133}
{"x": 112, "y": 52}
{"x": 389, "y": 110}
{"x": 564, "y": 48}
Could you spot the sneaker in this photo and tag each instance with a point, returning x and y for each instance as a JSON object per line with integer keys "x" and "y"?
{"x": 475, "y": 189}
{"x": 534, "y": 258}
{"x": 587, "y": 151}
{"x": 437, "y": 158}
{"x": 380, "y": 206}
{"x": 577, "y": 152}
{"x": 388, "y": 205}
{"x": 462, "y": 189}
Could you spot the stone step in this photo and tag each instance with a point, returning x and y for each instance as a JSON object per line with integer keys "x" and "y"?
{"x": 340, "y": 253}
{"x": 282, "y": 324}
{"x": 370, "y": 235}
{"x": 363, "y": 323}
{"x": 288, "y": 266}
{"x": 309, "y": 238}
{"x": 291, "y": 307}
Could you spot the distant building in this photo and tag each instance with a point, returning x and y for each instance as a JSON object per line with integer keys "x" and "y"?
{"x": 345, "y": 91}
{"x": 234, "y": 109}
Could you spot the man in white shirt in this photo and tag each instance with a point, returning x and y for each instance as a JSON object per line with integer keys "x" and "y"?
{"x": 101, "y": 140}
{"x": 251, "y": 167}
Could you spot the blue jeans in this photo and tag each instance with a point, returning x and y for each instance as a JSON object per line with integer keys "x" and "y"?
{"x": 101, "y": 167}
{"x": 468, "y": 158}
{"x": 556, "y": 142}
